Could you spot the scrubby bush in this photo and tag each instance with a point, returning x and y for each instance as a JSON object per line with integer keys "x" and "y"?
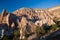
{"x": 47, "y": 28}
{"x": 57, "y": 23}
{"x": 6, "y": 37}
{"x": 39, "y": 32}
{"x": 16, "y": 34}
{"x": 54, "y": 27}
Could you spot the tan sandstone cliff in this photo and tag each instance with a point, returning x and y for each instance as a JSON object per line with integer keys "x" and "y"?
{"x": 29, "y": 18}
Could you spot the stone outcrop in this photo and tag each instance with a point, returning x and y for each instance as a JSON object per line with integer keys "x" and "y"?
{"x": 28, "y": 18}
{"x": 44, "y": 16}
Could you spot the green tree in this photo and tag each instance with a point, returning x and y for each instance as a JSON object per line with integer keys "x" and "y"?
{"x": 16, "y": 34}
{"x": 47, "y": 28}
{"x": 6, "y": 37}
{"x": 39, "y": 32}
{"x": 54, "y": 27}
{"x": 57, "y": 22}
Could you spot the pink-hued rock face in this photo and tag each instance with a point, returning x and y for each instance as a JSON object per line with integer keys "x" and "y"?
{"x": 44, "y": 16}
{"x": 28, "y": 18}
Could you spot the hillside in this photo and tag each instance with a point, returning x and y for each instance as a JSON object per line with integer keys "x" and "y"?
{"x": 27, "y": 19}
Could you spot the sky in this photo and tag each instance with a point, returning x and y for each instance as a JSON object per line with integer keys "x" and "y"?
{"x": 12, "y": 5}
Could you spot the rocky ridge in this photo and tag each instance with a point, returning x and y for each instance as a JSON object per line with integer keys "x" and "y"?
{"x": 28, "y": 18}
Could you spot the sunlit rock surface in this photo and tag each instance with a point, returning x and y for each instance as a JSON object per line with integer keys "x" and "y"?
{"x": 28, "y": 19}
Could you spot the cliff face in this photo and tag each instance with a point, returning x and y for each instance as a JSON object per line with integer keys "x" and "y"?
{"x": 36, "y": 16}
{"x": 39, "y": 16}
{"x": 28, "y": 18}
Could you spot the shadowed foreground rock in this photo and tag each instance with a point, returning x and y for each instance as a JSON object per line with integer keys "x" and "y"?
{"x": 54, "y": 36}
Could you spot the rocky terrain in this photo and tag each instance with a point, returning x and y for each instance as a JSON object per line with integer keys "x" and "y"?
{"x": 27, "y": 19}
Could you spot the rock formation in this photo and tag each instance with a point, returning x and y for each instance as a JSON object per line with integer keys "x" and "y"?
{"x": 28, "y": 18}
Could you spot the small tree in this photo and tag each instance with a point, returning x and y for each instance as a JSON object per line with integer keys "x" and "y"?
{"x": 16, "y": 35}
{"x": 47, "y": 28}
{"x": 39, "y": 32}
{"x": 6, "y": 37}
{"x": 53, "y": 28}
{"x": 57, "y": 22}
